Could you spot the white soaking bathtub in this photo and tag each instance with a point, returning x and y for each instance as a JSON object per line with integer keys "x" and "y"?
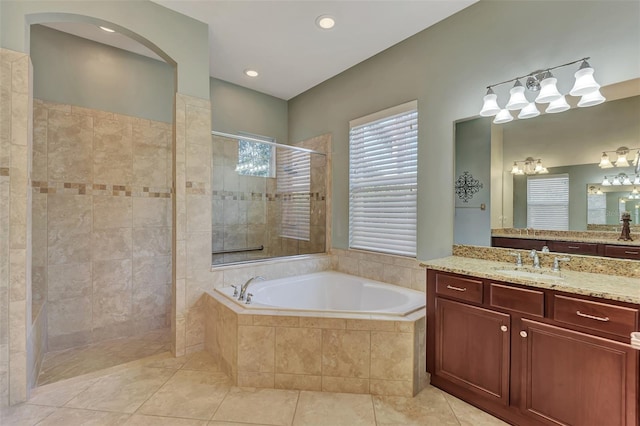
{"x": 330, "y": 291}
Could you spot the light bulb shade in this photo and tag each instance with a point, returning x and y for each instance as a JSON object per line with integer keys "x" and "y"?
{"x": 606, "y": 182}
{"x": 529, "y": 111}
{"x": 504, "y": 116}
{"x": 490, "y": 106}
{"x": 517, "y": 99}
{"x": 548, "y": 91}
{"x": 604, "y": 162}
{"x": 558, "y": 105}
{"x": 585, "y": 83}
{"x": 591, "y": 99}
{"x": 622, "y": 161}
{"x": 515, "y": 169}
{"x": 616, "y": 181}
{"x": 636, "y": 181}
{"x": 539, "y": 167}
{"x": 626, "y": 181}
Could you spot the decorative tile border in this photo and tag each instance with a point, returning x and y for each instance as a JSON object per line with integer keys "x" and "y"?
{"x": 259, "y": 196}
{"x": 4, "y": 171}
{"x": 75, "y": 188}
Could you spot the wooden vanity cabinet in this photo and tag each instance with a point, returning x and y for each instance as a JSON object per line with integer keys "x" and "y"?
{"x": 524, "y": 355}
{"x": 570, "y": 247}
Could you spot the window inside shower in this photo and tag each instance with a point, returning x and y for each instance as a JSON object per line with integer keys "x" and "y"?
{"x": 268, "y": 199}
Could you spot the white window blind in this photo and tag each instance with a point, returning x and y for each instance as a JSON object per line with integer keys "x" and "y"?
{"x": 383, "y": 170}
{"x": 548, "y": 202}
{"x": 293, "y": 187}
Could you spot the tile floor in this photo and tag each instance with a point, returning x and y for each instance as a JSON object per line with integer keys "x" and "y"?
{"x": 161, "y": 390}
{"x": 74, "y": 362}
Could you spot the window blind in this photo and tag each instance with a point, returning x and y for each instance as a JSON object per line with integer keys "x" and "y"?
{"x": 293, "y": 184}
{"x": 383, "y": 170}
{"x": 548, "y": 202}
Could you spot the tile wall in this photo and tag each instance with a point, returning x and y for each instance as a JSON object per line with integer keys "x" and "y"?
{"x": 101, "y": 223}
{"x": 16, "y": 81}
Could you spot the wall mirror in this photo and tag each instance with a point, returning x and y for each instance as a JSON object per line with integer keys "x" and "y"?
{"x": 569, "y": 143}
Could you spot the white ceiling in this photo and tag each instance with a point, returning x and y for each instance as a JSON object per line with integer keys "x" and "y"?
{"x": 280, "y": 40}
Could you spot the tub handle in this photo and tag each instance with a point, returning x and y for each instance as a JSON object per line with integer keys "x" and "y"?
{"x": 450, "y": 287}
{"x": 249, "y": 295}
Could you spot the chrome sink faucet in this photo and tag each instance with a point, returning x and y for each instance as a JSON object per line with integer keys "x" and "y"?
{"x": 243, "y": 289}
{"x": 536, "y": 260}
{"x": 556, "y": 262}
{"x": 518, "y": 258}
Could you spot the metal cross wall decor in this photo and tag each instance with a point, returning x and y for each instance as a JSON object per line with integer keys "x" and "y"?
{"x": 466, "y": 186}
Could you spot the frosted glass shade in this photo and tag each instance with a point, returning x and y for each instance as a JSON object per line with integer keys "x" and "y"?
{"x": 616, "y": 181}
{"x": 515, "y": 169}
{"x": 529, "y": 111}
{"x": 559, "y": 105}
{"x": 504, "y": 116}
{"x": 606, "y": 182}
{"x": 626, "y": 181}
{"x": 517, "y": 99}
{"x": 591, "y": 99}
{"x": 622, "y": 161}
{"x": 585, "y": 83}
{"x": 548, "y": 91}
{"x": 490, "y": 106}
{"x": 605, "y": 163}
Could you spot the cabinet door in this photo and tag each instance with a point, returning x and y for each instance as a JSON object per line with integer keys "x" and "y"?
{"x": 472, "y": 348}
{"x": 571, "y": 378}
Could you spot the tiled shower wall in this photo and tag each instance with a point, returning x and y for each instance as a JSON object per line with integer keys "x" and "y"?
{"x": 246, "y": 210}
{"x": 101, "y": 223}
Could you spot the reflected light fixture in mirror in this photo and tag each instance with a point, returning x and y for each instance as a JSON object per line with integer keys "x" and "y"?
{"x": 530, "y": 166}
{"x": 621, "y": 161}
{"x": 544, "y": 82}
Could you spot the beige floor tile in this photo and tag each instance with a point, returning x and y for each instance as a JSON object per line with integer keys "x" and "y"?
{"x": 429, "y": 407}
{"x": 189, "y": 394}
{"x": 201, "y": 361}
{"x": 79, "y": 417}
{"x": 263, "y": 406}
{"x": 468, "y": 415}
{"x": 123, "y": 392}
{"x": 58, "y": 394}
{"x": 142, "y": 420}
{"x": 334, "y": 409}
{"x": 167, "y": 361}
{"x": 24, "y": 414}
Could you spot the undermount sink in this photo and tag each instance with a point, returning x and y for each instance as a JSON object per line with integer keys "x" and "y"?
{"x": 530, "y": 273}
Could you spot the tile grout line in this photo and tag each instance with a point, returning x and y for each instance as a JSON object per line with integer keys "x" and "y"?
{"x": 295, "y": 410}
{"x": 455, "y": 415}
{"x": 156, "y": 391}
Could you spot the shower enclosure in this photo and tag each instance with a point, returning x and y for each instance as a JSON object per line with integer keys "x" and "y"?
{"x": 268, "y": 199}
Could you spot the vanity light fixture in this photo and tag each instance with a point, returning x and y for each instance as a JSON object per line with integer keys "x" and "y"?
{"x": 621, "y": 160}
{"x": 618, "y": 180}
{"x": 543, "y": 82}
{"x": 530, "y": 166}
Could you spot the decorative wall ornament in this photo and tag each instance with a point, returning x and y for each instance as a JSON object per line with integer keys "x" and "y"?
{"x": 466, "y": 186}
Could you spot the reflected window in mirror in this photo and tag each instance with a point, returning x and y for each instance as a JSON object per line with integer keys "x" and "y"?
{"x": 548, "y": 202}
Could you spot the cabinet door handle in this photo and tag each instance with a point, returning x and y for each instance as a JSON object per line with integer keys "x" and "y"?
{"x": 523, "y": 334}
{"x": 593, "y": 317}
{"x": 450, "y": 287}
{"x": 573, "y": 247}
{"x": 630, "y": 252}
{"x": 503, "y": 328}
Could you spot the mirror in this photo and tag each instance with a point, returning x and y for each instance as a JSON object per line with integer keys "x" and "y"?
{"x": 570, "y": 143}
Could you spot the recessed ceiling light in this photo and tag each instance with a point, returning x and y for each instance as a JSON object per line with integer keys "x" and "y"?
{"x": 251, "y": 73}
{"x": 325, "y": 22}
{"x": 107, "y": 29}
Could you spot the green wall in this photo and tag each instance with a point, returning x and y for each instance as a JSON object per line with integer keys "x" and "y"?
{"x": 238, "y": 109}
{"x": 447, "y": 68}
{"x": 176, "y": 38}
{"x": 75, "y": 71}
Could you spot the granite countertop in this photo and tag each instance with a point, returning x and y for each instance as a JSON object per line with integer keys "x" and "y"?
{"x": 623, "y": 289}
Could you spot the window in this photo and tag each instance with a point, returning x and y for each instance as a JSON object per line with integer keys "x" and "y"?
{"x": 255, "y": 158}
{"x": 548, "y": 202}
{"x": 293, "y": 187}
{"x": 383, "y": 170}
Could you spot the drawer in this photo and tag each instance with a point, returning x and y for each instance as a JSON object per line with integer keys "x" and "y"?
{"x": 517, "y": 299}
{"x": 573, "y": 248}
{"x": 604, "y": 317}
{"x": 459, "y": 288}
{"x": 518, "y": 243}
{"x": 625, "y": 252}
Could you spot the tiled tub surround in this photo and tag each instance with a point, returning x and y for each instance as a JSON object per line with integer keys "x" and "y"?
{"x": 247, "y": 210}
{"x": 317, "y": 352}
{"x": 101, "y": 223}
{"x": 590, "y": 264}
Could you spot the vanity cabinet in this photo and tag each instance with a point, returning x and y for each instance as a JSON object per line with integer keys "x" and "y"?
{"x": 570, "y": 247}
{"x": 624, "y": 252}
{"x": 533, "y": 356}
{"x": 573, "y": 247}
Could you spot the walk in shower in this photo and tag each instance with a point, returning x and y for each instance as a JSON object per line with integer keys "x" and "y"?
{"x": 268, "y": 199}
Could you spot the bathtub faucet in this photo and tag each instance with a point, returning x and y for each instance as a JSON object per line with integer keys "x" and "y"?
{"x": 243, "y": 289}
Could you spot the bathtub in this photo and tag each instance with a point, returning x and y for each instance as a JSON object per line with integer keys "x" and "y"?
{"x": 330, "y": 292}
